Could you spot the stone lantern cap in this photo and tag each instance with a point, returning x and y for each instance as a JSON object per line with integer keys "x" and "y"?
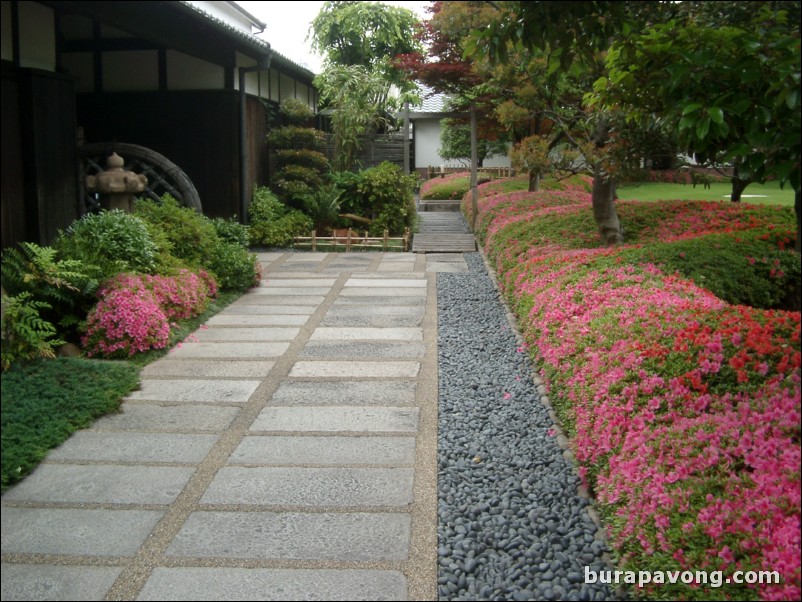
{"x": 115, "y": 180}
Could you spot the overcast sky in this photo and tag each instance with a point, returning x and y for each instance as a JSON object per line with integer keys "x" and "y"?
{"x": 288, "y": 25}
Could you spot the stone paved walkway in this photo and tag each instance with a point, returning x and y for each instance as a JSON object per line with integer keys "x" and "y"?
{"x": 286, "y": 452}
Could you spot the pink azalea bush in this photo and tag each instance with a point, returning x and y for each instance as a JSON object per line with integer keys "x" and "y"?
{"x": 437, "y": 181}
{"x": 684, "y": 411}
{"x": 135, "y": 311}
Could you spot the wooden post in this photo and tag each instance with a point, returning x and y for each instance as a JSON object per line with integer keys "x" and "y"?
{"x": 348, "y": 241}
{"x": 406, "y": 138}
{"x": 385, "y": 242}
{"x": 474, "y": 164}
{"x": 314, "y": 240}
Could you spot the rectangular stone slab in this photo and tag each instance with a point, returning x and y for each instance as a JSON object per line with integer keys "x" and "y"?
{"x": 76, "y": 532}
{"x": 204, "y": 583}
{"x": 354, "y": 419}
{"x": 325, "y": 451}
{"x": 104, "y": 484}
{"x": 328, "y": 487}
{"x": 294, "y": 536}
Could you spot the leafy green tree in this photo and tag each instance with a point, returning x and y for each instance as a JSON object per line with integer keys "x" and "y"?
{"x": 455, "y": 143}
{"x": 360, "y": 41}
{"x": 732, "y": 90}
{"x": 368, "y": 34}
{"x": 358, "y": 99}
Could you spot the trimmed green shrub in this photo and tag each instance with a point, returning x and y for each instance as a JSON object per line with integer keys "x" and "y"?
{"x": 309, "y": 159}
{"x": 236, "y": 268}
{"x": 273, "y": 224}
{"x": 193, "y": 236}
{"x": 295, "y": 111}
{"x": 230, "y": 230}
{"x": 388, "y": 196}
{"x": 109, "y": 242}
{"x": 300, "y": 167}
{"x": 217, "y": 245}
{"x": 295, "y": 137}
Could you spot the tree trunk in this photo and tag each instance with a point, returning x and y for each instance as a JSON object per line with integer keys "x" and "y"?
{"x": 798, "y": 209}
{"x": 534, "y": 181}
{"x": 738, "y": 187}
{"x": 603, "y": 196}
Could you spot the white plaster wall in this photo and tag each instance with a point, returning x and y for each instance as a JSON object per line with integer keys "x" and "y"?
{"x": 186, "y": 72}
{"x": 226, "y": 13}
{"x": 427, "y": 146}
{"x": 427, "y": 142}
{"x": 37, "y": 36}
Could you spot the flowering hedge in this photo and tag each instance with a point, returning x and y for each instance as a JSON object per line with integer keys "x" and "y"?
{"x": 135, "y": 311}
{"x": 684, "y": 410}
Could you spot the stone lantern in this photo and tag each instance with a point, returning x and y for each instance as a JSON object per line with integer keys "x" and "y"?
{"x": 115, "y": 185}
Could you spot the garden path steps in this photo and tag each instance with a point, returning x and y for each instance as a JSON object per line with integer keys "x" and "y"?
{"x": 442, "y": 232}
{"x": 286, "y": 450}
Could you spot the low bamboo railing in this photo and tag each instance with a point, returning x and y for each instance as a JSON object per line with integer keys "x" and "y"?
{"x": 352, "y": 240}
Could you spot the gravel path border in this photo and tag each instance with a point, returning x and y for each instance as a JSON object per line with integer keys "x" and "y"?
{"x": 513, "y": 523}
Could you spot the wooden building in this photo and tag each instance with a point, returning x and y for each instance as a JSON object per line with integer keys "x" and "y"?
{"x": 190, "y": 81}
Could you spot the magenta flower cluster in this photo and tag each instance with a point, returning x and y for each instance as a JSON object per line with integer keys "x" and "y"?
{"x": 135, "y": 311}
{"x": 684, "y": 411}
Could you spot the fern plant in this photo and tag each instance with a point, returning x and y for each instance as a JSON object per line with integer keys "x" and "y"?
{"x": 25, "y": 334}
{"x": 62, "y": 284}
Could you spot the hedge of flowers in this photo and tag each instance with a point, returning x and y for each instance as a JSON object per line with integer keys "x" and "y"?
{"x": 135, "y": 311}
{"x": 683, "y": 409}
{"x": 451, "y": 186}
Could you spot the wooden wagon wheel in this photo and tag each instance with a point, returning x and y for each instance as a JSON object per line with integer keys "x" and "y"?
{"x": 163, "y": 175}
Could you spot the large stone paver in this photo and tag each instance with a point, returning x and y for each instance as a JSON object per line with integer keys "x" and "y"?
{"x": 337, "y": 419}
{"x": 229, "y": 333}
{"x": 135, "y": 447}
{"x": 102, "y": 484}
{"x": 244, "y": 350}
{"x": 294, "y": 536}
{"x": 219, "y": 391}
{"x": 373, "y": 392}
{"x": 74, "y": 531}
{"x": 325, "y": 333}
{"x": 326, "y": 487}
{"x": 387, "y": 282}
{"x": 334, "y": 369}
{"x": 53, "y": 582}
{"x": 168, "y": 418}
{"x": 326, "y": 451}
{"x": 362, "y": 350}
{"x": 239, "y": 319}
{"x": 192, "y": 583}
{"x": 208, "y": 368}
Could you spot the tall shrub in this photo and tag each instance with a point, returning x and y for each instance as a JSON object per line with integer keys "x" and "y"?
{"x": 301, "y": 167}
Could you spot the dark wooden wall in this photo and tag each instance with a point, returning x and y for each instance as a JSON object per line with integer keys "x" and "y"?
{"x": 377, "y": 149}
{"x": 39, "y": 166}
{"x": 258, "y": 150}
{"x": 196, "y": 130}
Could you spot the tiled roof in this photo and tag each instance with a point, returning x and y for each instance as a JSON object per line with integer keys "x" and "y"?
{"x": 433, "y": 102}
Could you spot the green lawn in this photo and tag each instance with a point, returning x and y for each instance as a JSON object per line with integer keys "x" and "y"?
{"x": 768, "y": 194}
